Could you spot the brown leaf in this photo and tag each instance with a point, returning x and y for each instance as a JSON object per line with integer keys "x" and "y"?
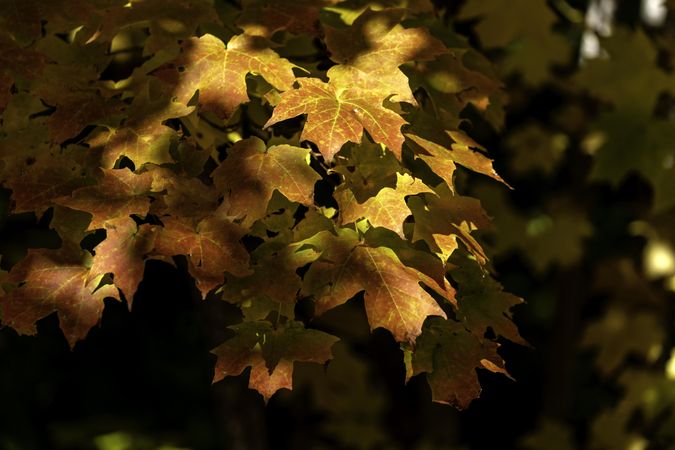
{"x": 118, "y": 194}
{"x": 212, "y": 247}
{"x": 394, "y": 298}
{"x": 51, "y": 176}
{"x": 123, "y": 252}
{"x": 251, "y": 173}
{"x": 458, "y": 149}
{"x": 49, "y": 281}
{"x": 450, "y": 356}
{"x": 270, "y": 352}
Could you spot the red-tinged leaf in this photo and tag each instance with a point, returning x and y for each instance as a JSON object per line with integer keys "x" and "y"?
{"x": 387, "y": 209}
{"x": 212, "y": 246}
{"x": 251, "y": 173}
{"x": 122, "y": 254}
{"x": 483, "y": 304}
{"x": 21, "y": 18}
{"x": 266, "y": 17}
{"x": 270, "y": 352}
{"x": 371, "y": 50}
{"x": 19, "y": 61}
{"x": 48, "y": 281}
{"x": 5, "y": 90}
{"x": 118, "y": 194}
{"x": 450, "y": 356}
{"x": 142, "y": 138}
{"x": 51, "y": 176}
{"x": 394, "y": 298}
{"x": 183, "y": 196}
{"x": 458, "y": 148}
{"x": 219, "y": 72}
{"x": 76, "y": 110}
{"x": 337, "y": 114}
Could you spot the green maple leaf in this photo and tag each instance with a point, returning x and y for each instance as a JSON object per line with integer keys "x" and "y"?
{"x": 387, "y": 209}
{"x": 122, "y": 254}
{"x": 337, "y": 114}
{"x": 212, "y": 246}
{"x": 531, "y": 44}
{"x": 270, "y": 352}
{"x": 118, "y": 194}
{"x": 608, "y": 335}
{"x": 394, "y": 298}
{"x": 450, "y": 355}
{"x": 452, "y": 82}
{"x": 258, "y": 297}
{"x": 367, "y": 169}
{"x": 219, "y": 72}
{"x": 370, "y": 51}
{"x": 53, "y": 281}
{"x": 251, "y": 173}
{"x": 483, "y": 304}
{"x": 616, "y": 78}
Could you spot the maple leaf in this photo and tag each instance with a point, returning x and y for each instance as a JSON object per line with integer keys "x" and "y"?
{"x": 483, "y": 304}
{"x": 616, "y": 78}
{"x": 142, "y": 138}
{"x": 258, "y": 297}
{"x": 439, "y": 221}
{"x": 336, "y": 115}
{"x": 51, "y": 176}
{"x": 608, "y": 335}
{"x": 5, "y": 90}
{"x": 76, "y": 110}
{"x": 450, "y": 356}
{"x": 251, "y": 173}
{"x": 456, "y": 147}
{"x": 394, "y": 298}
{"x": 185, "y": 197}
{"x": 500, "y": 25}
{"x": 212, "y": 247}
{"x": 270, "y": 352}
{"x": 122, "y": 254}
{"x": 370, "y": 51}
{"x": 53, "y": 281}
{"x": 21, "y": 19}
{"x": 219, "y": 72}
{"x": 451, "y": 86}
{"x": 118, "y": 194}
{"x": 266, "y": 17}
{"x": 367, "y": 169}
{"x": 387, "y": 209}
